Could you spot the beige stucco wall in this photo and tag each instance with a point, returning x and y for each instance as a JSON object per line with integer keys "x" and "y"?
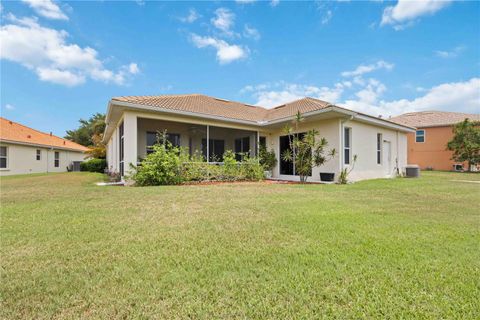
{"x": 22, "y": 159}
{"x": 328, "y": 129}
{"x": 364, "y": 145}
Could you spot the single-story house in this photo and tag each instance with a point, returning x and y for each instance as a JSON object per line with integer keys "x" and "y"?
{"x": 26, "y": 150}
{"x": 209, "y": 126}
{"x": 427, "y": 146}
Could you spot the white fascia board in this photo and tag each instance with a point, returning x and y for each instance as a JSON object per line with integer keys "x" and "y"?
{"x": 383, "y": 123}
{"x": 39, "y": 145}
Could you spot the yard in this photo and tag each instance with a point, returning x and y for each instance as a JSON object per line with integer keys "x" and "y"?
{"x": 400, "y": 248}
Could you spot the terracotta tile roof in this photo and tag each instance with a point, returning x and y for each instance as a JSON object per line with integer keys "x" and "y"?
{"x": 292, "y": 108}
{"x": 202, "y": 104}
{"x": 13, "y": 131}
{"x": 432, "y": 118}
{"x": 198, "y": 103}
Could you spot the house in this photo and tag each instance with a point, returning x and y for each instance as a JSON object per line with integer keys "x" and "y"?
{"x": 209, "y": 126}
{"x": 427, "y": 147}
{"x": 26, "y": 150}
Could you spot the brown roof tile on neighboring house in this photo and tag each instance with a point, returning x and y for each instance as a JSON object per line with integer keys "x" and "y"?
{"x": 15, "y": 132}
{"x": 433, "y": 118}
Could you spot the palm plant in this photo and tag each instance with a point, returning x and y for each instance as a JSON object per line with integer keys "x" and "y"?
{"x": 305, "y": 150}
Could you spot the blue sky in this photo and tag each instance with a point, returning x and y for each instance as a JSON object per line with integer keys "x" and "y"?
{"x": 61, "y": 61}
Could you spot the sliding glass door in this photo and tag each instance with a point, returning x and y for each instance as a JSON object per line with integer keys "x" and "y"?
{"x": 288, "y": 167}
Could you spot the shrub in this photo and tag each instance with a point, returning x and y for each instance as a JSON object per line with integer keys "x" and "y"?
{"x": 267, "y": 158}
{"x": 171, "y": 165}
{"x": 161, "y": 167}
{"x": 94, "y": 165}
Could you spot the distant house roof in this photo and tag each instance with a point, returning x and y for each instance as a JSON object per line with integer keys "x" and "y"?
{"x": 215, "y": 107}
{"x": 433, "y": 118}
{"x": 17, "y": 133}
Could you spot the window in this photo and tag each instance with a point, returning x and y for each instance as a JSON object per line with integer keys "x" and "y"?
{"x": 153, "y": 139}
{"x": 57, "y": 159}
{"x": 379, "y": 148}
{"x": 420, "y": 136}
{"x": 121, "y": 151}
{"x": 216, "y": 149}
{"x": 3, "y": 157}
{"x": 347, "y": 137}
{"x": 39, "y": 154}
{"x": 242, "y": 147}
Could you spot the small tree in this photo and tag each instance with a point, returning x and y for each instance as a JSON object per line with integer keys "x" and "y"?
{"x": 465, "y": 143}
{"x": 305, "y": 151}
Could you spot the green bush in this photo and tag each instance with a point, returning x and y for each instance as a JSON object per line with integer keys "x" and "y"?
{"x": 267, "y": 158}
{"x": 94, "y": 165}
{"x": 171, "y": 165}
{"x": 161, "y": 167}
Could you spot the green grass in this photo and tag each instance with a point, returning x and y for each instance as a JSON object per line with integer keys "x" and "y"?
{"x": 387, "y": 249}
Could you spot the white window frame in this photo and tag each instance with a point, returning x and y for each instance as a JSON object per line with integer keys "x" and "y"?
{"x": 379, "y": 148}
{"x": 38, "y": 154}
{"x": 349, "y": 147}
{"x": 6, "y": 158}
{"x": 424, "y": 136}
{"x": 56, "y": 160}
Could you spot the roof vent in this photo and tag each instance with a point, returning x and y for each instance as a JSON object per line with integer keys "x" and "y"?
{"x": 29, "y": 136}
{"x": 50, "y": 133}
{"x": 63, "y": 142}
{"x": 10, "y": 122}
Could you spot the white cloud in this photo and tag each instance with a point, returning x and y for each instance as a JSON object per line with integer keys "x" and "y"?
{"x": 133, "y": 68}
{"x": 450, "y": 54}
{"x": 326, "y": 17}
{"x": 224, "y": 20}
{"x": 454, "y": 96}
{"x": 274, "y": 3}
{"x": 47, "y": 9}
{"x": 46, "y": 52}
{"x": 226, "y": 52}
{"x": 191, "y": 17}
{"x": 250, "y": 32}
{"x": 405, "y": 12}
{"x": 270, "y": 95}
{"x": 363, "y": 69}
{"x": 9, "y": 107}
{"x": 245, "y": 1}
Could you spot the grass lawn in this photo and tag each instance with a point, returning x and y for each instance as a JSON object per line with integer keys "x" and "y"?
{"x": 388, "y": 249}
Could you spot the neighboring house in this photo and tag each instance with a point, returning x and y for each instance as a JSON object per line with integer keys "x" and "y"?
{"x": 427, "y": 147}
{"x": 193, "y": 120}
{"x": 25, "y": 150}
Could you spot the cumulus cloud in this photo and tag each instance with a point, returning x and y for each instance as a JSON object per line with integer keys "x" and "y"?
{"x": 9, "y": 107}
{"x": 270, "y": 95}
{"x": 224, "y": 20}
{"x": 226, "y": 52}
{"x": 274, "y": 3}
{"x": 450, "y": 54}
{"x": 245, "y": 1}
{"x": 363, "y": 69}
{"x": 47, "y": 52}
{"x": 250, "y": 32}
{"x": 191, "y": 17}
{"x": 453, "y": 96}
{"x": 405, "y": 12}
{"x": 47, "y": 9}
